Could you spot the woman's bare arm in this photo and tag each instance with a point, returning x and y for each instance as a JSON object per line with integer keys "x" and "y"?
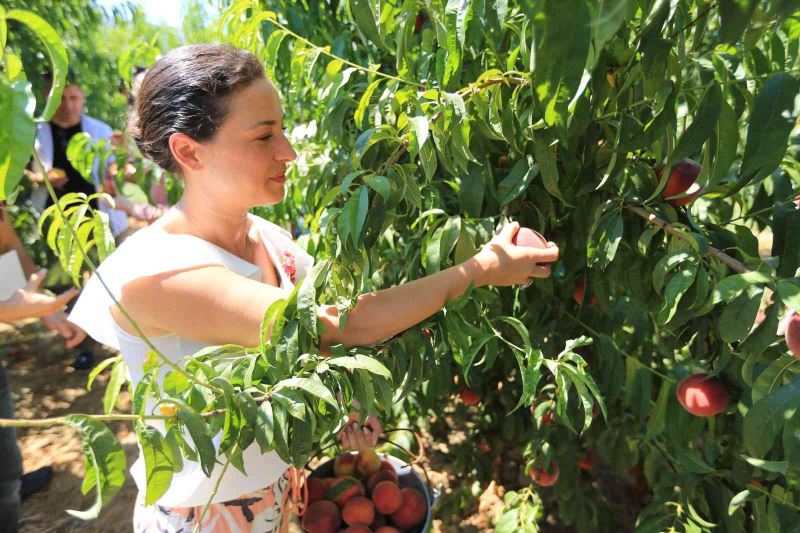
{"x": 214, "y": 305}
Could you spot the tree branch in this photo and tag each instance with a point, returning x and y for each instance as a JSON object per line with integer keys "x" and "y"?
{"x": 734, "y": 264}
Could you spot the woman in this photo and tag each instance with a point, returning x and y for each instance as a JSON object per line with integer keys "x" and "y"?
{"x": 205, "y": 272}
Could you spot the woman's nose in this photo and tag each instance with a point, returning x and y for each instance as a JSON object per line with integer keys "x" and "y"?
{"x": 286, "y": 153}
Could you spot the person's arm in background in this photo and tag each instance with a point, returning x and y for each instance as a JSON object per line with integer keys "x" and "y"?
{"x": 30, "y": 302}
{"x": 10, "y": 241}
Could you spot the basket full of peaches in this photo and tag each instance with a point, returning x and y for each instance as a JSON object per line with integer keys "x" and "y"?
{"x": 364, "y": 492}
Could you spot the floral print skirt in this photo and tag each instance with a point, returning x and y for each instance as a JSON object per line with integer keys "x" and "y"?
{"x": 257, "y": 512}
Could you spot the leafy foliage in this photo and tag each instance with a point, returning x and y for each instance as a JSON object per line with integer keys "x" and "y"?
{"x": 421, "y": 127}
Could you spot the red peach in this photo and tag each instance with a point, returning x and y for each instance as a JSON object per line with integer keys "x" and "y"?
{"x": 701, "y": 396}
{"x": 468, "y": 396}
{"x": 344, "y": 464}
{"x": 413, "y": 509}
{"x": 316, "y": 489}
{"x": 387, "y": 529}
{"x": 387, "y": 497}
{"x": 367, "y": 462}
{"x": 681, "y": 179}
{"x": 380, "y": 475}
{"x": 343, "y": 489}
{"x": 322, "y": 517}
{"x": 546, "y": 478}
{"x": 529, "y": 237}
{"x": 578, "y": 293}
{"x": 358, "y": 511}
{"x": 792, "y": 334}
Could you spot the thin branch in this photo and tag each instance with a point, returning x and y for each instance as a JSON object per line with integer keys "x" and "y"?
{"x": 695, "y": 20}
{"x": 734, "y": 264}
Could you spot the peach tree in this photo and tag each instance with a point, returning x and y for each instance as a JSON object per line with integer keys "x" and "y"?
{"x": 652, "y": 140}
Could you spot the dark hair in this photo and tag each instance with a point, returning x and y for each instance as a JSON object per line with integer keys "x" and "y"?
{"x": 187, "y": 91}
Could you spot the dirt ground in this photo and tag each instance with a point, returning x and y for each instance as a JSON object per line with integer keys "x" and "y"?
{"x": 45, "y": 385}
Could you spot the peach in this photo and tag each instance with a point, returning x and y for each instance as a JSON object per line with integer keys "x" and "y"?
{"x": 387, "y": 465}
{"x": 701, "y": 396}
{"x": 322, "y": 517}
{"x": 380, "y": 475}
{"x": 792, "y": 334}
{"x": 412, "y": 511}
{"x": 316, "y": 489}
{"x": 358, "y": 511}
{"x": 529, "y": 237}
{"x": 578, "y": 293}
{"x": 367, "y": 462}
{"x": 387, "y": 529}
{"x": 387, "y": 497}
{"x": 468, "y": 396}
{"x": 343, "y": 489}
{"x": 546, "y": 478}
{"x": 681, "y": 179}
{"x": 357, "y": 529}
{"x": 344, "y": 464}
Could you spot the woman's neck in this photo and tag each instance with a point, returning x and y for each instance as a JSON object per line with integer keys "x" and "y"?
{"x": 220, "y": 224}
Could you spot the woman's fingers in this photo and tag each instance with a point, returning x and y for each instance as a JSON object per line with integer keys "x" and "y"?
{"x": 541, "y": 271}
{"x": 545, "y": 255}
{"x": 506, "y": 234}
{"x": 64, "y": 298}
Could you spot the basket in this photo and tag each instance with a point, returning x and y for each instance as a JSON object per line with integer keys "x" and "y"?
{"x": 407, "y": 477}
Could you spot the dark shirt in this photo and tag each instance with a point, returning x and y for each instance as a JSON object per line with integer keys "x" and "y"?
{"x": 76, "y": 182}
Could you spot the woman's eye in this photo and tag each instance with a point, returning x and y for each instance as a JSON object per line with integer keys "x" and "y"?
{"x": 265, "y": 138}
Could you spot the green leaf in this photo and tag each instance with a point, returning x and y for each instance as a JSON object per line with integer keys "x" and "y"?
{"x": 771, "y": 120}
{"x": 159, "y": 464}
{"x": 658, "y": 415}
{"x": 734, "y": 17}
{"x": 99, "y": 368}
{"x": 546, "y": 160}
{"x": 104, "y": 463}
{"x": 732, "y": 286}
{"x": 602, "y": 246}
{"x": 360, "y": 361}
{"x": 517, "y": 181}
{"x": 778, "y": 467}
{"x": 364, "y": 16}
{"x": 119, "y": 375}
{"x": 271, "y": 51}
{"x": 17, "y": 133}
{"x": 738, "y": 317}
{"x": 557, "y": 62}
{"x": 420, "y": 130}
{"x": 789, "y": 291}
{"x": 702, "y": 127}
{"x": 768, "y": 416}
{"x": 726, "y": 142}
{"x": 307, "y": 296}
{"x": 200, "y": 433}
{"x": 56, "y": 53}
{"x": 313, "y": 387}
{"x": 365, "y": 101}
{"x": 677, "y": 286}
{"x": 265, "y": 427}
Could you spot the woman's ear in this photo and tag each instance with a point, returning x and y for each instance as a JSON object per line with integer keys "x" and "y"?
{"x": 184, "y": 150}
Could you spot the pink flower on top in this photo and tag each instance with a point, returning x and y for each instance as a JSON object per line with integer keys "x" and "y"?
{"x": 287, "y": 262}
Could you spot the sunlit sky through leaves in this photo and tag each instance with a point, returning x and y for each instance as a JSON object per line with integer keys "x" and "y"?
{"x": 157, "y": 11}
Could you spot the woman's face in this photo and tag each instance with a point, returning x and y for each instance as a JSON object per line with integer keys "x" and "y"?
{"x": 246, "y": 160}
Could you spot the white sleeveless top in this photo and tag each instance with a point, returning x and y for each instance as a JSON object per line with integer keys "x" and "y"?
{"x": 151, "y": 251}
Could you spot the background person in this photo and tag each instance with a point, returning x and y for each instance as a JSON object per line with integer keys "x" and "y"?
{"x": 26, "y": 302}
{"x": 52, "y": 139}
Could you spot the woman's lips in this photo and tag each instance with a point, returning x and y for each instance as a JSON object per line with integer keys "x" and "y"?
{"x": 279, "y": 179}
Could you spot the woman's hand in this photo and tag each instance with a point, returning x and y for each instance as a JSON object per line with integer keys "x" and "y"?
{"x": 503, "y": 263}
{"x": 356, "y": 437}
{"x": 29, "y": 302}
{"x": 72, "y": 334}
